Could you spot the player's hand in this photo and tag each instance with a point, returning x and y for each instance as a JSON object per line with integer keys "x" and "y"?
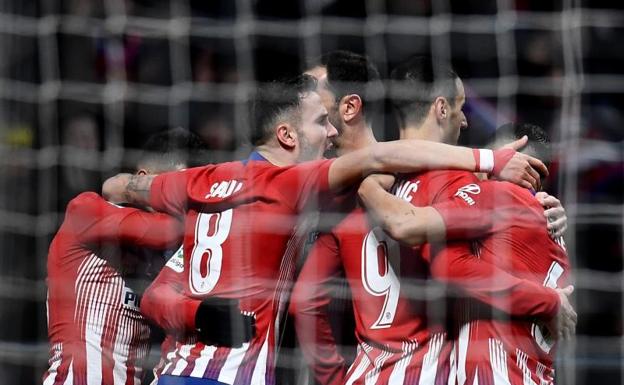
{"x": 518, "y": 168}
{"x": 517, "y": 144}
{"x": 563, "y": 324}
{"x": 557, "y": 221}
{"x": 220, "y": 322}
{"x": 114, "y": 187}
{"x": 384, "y": 180}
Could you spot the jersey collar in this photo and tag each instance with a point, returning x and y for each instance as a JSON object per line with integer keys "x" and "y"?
{"x": 255, "y": 155}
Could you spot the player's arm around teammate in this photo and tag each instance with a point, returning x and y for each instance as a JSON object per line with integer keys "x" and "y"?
{"x": 413, "y": 225}
{"x": 416, "y": 225}
{"x": 456, "y": 265}
{"x": 397, "y": 156}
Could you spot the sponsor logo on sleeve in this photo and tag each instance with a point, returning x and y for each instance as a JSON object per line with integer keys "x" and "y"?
{"x": 466, "y": 191}
{"x": 176, "y": 262}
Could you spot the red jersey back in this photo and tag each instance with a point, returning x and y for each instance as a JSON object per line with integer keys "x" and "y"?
{"x": 515, "y": 239}
{"x": 385, "y": 275}
{"x": 375, "y": 272}
{"x": 520, "y": 244}
{"x": 397, "y": 342}
{"x": 96, "y": 331}
{"x": 242, "y": 236}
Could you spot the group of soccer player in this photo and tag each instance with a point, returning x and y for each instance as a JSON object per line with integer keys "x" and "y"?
{"x": 398, "y": 220}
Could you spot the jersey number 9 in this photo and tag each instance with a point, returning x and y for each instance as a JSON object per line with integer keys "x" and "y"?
{"x": 378, "y": 277}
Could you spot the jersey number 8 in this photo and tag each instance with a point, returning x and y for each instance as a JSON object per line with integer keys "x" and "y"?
{"x": 211, "y": 230}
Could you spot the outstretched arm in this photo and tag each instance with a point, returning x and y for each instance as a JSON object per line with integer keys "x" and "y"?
{"x": 128, "y": 188}
{"x": 97, "y": 221}
{"x": 164, "y": 192}
{"x": 417, "y": 155}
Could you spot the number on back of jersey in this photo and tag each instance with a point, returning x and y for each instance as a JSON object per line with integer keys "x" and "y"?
{"x": 378, "y": 276}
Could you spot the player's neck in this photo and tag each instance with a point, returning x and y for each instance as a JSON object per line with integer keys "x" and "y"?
{"x": 424, "y": 131}
{"x": 276, "y": 156}
{"x": 358, "y": 138}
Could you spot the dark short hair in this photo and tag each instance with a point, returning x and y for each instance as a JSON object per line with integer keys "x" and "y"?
{"x": 167, "y": 149}
{"x": 538, "y": 144}
{"x": 272, "y": 100}
{"x": 350, "y": 73}
{"x": 416, "y": 83}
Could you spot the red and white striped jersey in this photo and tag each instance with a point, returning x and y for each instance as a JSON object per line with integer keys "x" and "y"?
{"x": 166, "y": 288}
{"x": 243, "y": 233}
{"x": 497, "y": 348}
{"x": 96, "y": 331}
{"x": 412, "y": 364}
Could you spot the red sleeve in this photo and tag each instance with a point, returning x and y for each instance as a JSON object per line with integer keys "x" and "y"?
{"x": 466, "y": 206}
{"x": 457, "y": 266}
{"x": 94, "y": 220}
{"x": 168, "y": 192}
{"x": 164, "y": 302}
{"x": 296, "y": 184}
{"x": 309, "y": 301}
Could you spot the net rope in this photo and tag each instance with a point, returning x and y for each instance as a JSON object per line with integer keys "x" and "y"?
{"x": 39, "y": 149}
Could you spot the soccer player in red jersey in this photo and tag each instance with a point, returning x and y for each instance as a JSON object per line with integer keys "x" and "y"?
{"x": 97, "y": 263}
{"x": 242, "y": 229}
{"x": 396, "y": 344}
{"x": 523, "y": 266}
{"x": 495, "y": 348}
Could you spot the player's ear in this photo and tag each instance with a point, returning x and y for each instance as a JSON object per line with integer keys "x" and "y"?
{"x": 350, "y": 107}
{"x": 441, "y": 108}
{"x": 286, "y": 135}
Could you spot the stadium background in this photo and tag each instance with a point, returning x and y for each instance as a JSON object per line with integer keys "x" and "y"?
{"x": 83, "y": 82}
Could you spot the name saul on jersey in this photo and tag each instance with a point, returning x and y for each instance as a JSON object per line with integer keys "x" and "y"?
{"x": 224, "y": 189}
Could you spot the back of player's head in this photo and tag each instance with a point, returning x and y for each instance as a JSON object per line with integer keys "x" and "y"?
{"x": 350, "y": 73}
{"x": 172, "y": 149}
{"x": 416, "y": 83}
{"x": 537, "y": 146}
{"x": 278, "y": 101}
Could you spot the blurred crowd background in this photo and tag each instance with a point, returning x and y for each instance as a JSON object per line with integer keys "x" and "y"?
{"x": 83, "y": 83}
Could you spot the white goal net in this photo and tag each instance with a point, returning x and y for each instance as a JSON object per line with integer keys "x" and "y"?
{"x": 83, "y": 83}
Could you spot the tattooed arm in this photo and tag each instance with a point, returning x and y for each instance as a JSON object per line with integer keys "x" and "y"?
{"x": 128, "y": 188}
